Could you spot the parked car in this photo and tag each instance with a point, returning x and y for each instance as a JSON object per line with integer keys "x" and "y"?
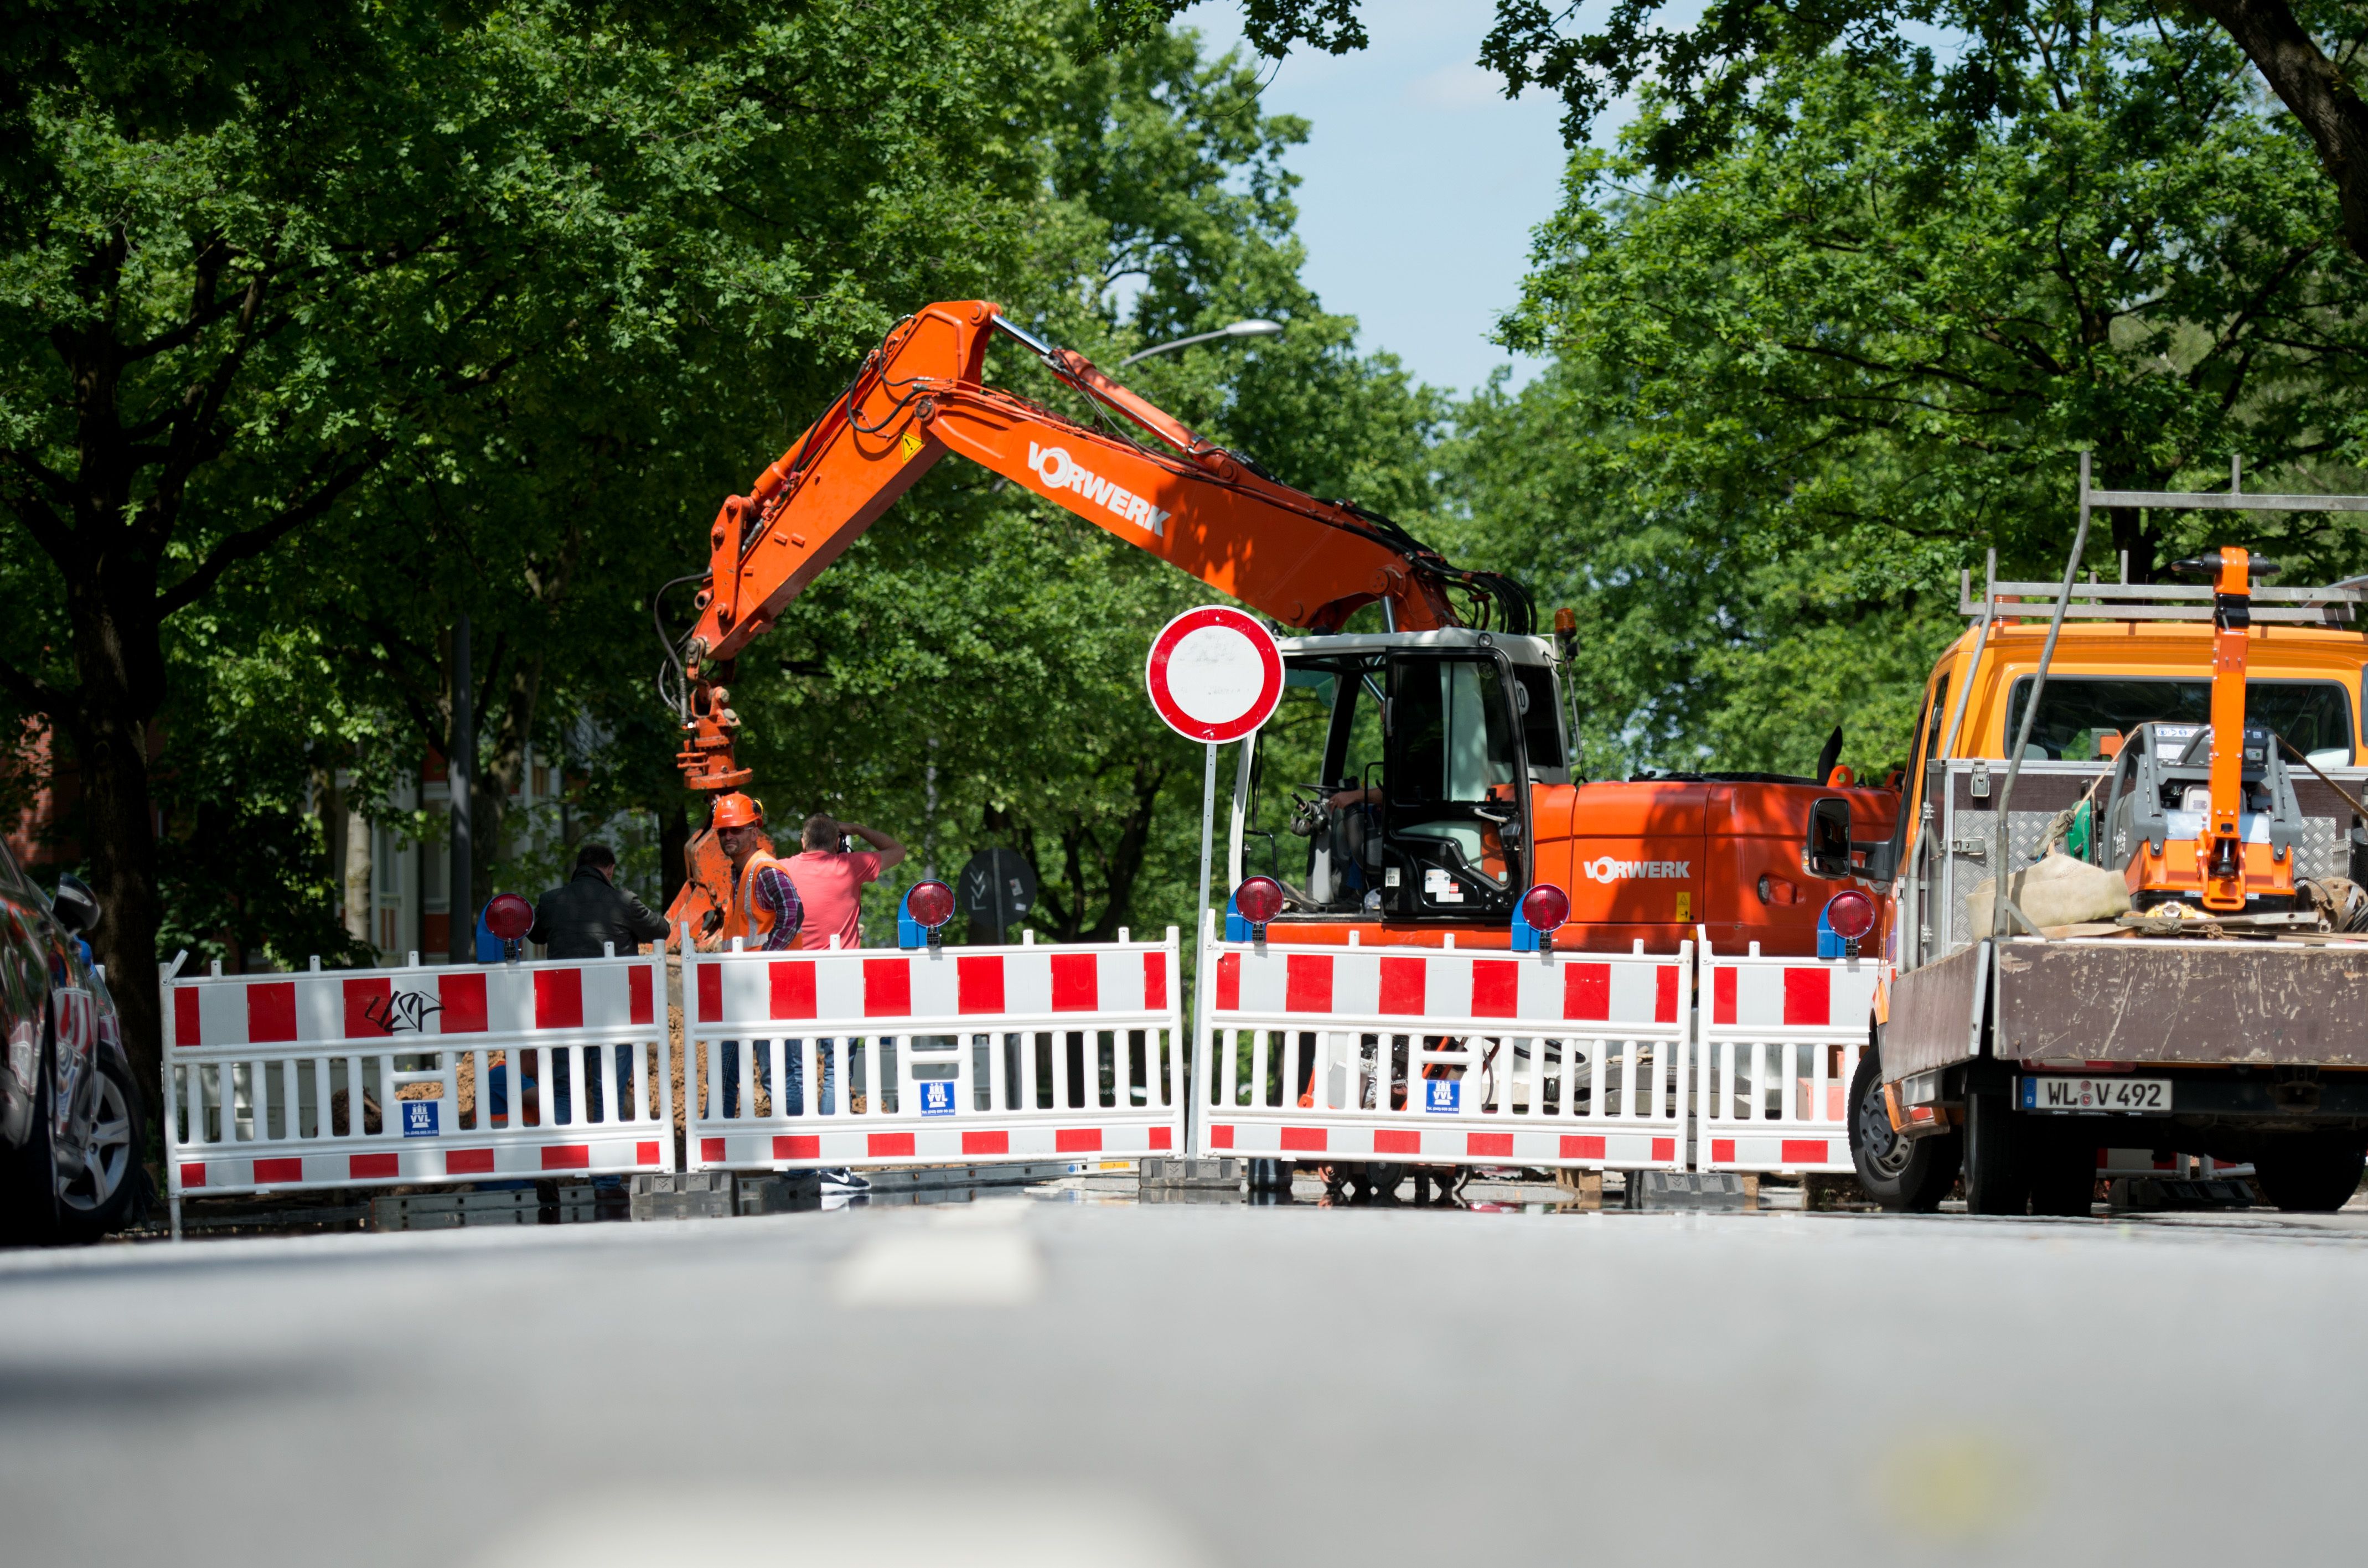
{"x": 71, "y": 1123}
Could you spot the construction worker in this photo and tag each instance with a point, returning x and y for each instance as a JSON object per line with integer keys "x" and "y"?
{"x": 586, "y": 917}
{"x": 770, "y": 910}
{"x": 831, "y": 883}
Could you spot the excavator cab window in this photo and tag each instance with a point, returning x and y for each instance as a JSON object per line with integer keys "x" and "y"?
{"x": 1541, "y": 723}
{"x": 1324, "y": 743}
{"x": 1456, "y": 807}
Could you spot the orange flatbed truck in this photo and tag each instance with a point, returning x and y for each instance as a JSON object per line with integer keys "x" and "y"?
{"x": 1450, "y": 730}
{"x": 2194, "y": 749}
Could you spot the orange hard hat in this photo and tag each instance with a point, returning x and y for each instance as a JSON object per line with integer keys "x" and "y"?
{"x": 736, "y": 810}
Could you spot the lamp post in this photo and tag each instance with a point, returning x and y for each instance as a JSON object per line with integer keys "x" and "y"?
{"x": 1238, "y": 329}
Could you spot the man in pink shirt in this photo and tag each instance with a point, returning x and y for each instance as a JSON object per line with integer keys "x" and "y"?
{"x": 830, "y": 884}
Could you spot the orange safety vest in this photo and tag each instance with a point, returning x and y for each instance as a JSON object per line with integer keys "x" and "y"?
{"x": 755, "y": 918}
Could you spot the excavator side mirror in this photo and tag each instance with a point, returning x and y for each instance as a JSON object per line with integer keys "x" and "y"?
{"x": 1827, "y": 851}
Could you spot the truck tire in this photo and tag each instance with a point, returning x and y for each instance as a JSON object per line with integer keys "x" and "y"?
{"x": 1906, "y": 1175}
{"x": 2310, "y": 1173}
{"x": 2063, "y": 1175}
{"x": 1998, "y": 1157}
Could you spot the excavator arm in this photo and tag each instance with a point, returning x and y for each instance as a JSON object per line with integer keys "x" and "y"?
{"x": 1302, "y": 561}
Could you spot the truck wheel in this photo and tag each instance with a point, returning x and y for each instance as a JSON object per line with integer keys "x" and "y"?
{"x": 2309, "y": 1174}
{"x": 1905, "y": 1176}
{"x": 2063, "y": 1175}
{"x": 1998, "y": 1157}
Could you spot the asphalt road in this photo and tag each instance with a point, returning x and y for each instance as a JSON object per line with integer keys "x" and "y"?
{"x": 1027, "y": 1381}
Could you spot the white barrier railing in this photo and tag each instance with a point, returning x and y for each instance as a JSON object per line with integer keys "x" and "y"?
{"x": 349, "y": 1077}
{"x": 1429, "y": 1055}
{"x": 885, "y": 1057}
{"x": 1779, "y": 1039}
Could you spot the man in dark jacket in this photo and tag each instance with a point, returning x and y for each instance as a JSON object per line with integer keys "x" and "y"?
{"x": 577, "y": 921}
{"x": 572, "y": 922}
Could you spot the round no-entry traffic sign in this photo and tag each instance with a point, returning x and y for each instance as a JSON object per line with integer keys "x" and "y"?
{"x": 1214, "y": 673}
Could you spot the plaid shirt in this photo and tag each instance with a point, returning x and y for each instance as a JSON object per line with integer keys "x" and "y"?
{"x": 775, "y": 892}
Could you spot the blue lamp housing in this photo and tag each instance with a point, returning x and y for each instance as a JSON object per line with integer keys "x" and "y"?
{"x": 1831, "y": 944}
{"x": 911, "y": 932}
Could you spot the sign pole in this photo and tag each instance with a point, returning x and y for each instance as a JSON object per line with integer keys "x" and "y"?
{"x": 1200, "y": 945}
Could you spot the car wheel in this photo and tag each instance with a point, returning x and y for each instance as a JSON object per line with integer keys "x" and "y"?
{"x": 28, "y": 1196}
{"x": 101, "y": 1199}
{"x": 1906, "y": 1175}
{"x": 2309, "y": 1174}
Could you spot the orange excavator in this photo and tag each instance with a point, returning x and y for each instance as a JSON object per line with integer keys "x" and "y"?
{"x": 1446, "y": 797}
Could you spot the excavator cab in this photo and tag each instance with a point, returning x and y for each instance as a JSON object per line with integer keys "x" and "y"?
{"x": 1395, "y": 782}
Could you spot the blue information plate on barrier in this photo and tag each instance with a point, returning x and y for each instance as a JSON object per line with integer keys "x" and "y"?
{"x": 1442, "y": 1094}
{"x": 419, "y": 1117}
{"x": 937, "y": 1096}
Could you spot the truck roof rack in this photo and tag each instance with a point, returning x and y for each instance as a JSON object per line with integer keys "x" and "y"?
{"x": 2333, "y": 604}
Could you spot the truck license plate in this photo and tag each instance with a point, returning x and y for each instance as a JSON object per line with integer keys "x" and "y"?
{"x": 2124, "y": 1097}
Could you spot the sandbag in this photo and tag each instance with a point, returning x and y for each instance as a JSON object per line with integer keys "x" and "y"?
{"x": 2059, "y": 891}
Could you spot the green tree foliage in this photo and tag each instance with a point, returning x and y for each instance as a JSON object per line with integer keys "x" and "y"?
{"x": 420, "y": 248}
{"x": 1797, "y": 389}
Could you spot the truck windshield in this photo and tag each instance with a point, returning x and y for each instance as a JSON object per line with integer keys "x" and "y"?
{"x": 2315, "y": 716}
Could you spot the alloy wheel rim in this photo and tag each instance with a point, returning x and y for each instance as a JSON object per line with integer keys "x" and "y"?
{"x": 107, "y": 1159}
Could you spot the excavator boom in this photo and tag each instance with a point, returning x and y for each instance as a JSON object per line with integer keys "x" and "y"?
{"x": 1300, "y": 560}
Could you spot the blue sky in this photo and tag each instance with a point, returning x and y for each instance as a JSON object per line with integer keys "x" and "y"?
{"x": 1420, "y": 181}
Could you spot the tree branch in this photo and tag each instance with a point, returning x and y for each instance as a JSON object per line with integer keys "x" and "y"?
{"x": 253, "y": 542}
{"x": 33, "y": 695}
{"x": 39, "y": 519}
{"x": 2316, "y": 89}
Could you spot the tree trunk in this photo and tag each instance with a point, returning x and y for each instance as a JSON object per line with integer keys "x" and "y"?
{"x": 504, "y": 774}
{"x": 1123, "y": 866}
{"x": 2316, "y": 89}
{"x": 361, "y": 888}
{"x": 2132, "y": 539}
{"x": 121, "y": 842}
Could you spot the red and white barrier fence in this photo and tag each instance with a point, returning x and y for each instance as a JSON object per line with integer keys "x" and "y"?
{"x": 1428, "y": 1055}
{"x": 312, "y": 1079}
{"x": 933, "y": 1055}
{"x": 1779, "y": 1041}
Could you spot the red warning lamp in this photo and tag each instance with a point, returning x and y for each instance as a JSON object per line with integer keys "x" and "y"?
{"x": 1851, "y": 913}
{"x": 930, "y": 903}
{"x": 1546, "y": 907}
{"x": 510, "y": 917}
{"x": 1259, "y": 900}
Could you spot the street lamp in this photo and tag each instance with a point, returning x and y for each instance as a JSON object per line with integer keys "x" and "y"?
{"x": 1240, "y": 329}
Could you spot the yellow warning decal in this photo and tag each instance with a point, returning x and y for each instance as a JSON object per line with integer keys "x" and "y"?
{"x": 909, "y": 443}
{"x": 1685, "y": 906}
